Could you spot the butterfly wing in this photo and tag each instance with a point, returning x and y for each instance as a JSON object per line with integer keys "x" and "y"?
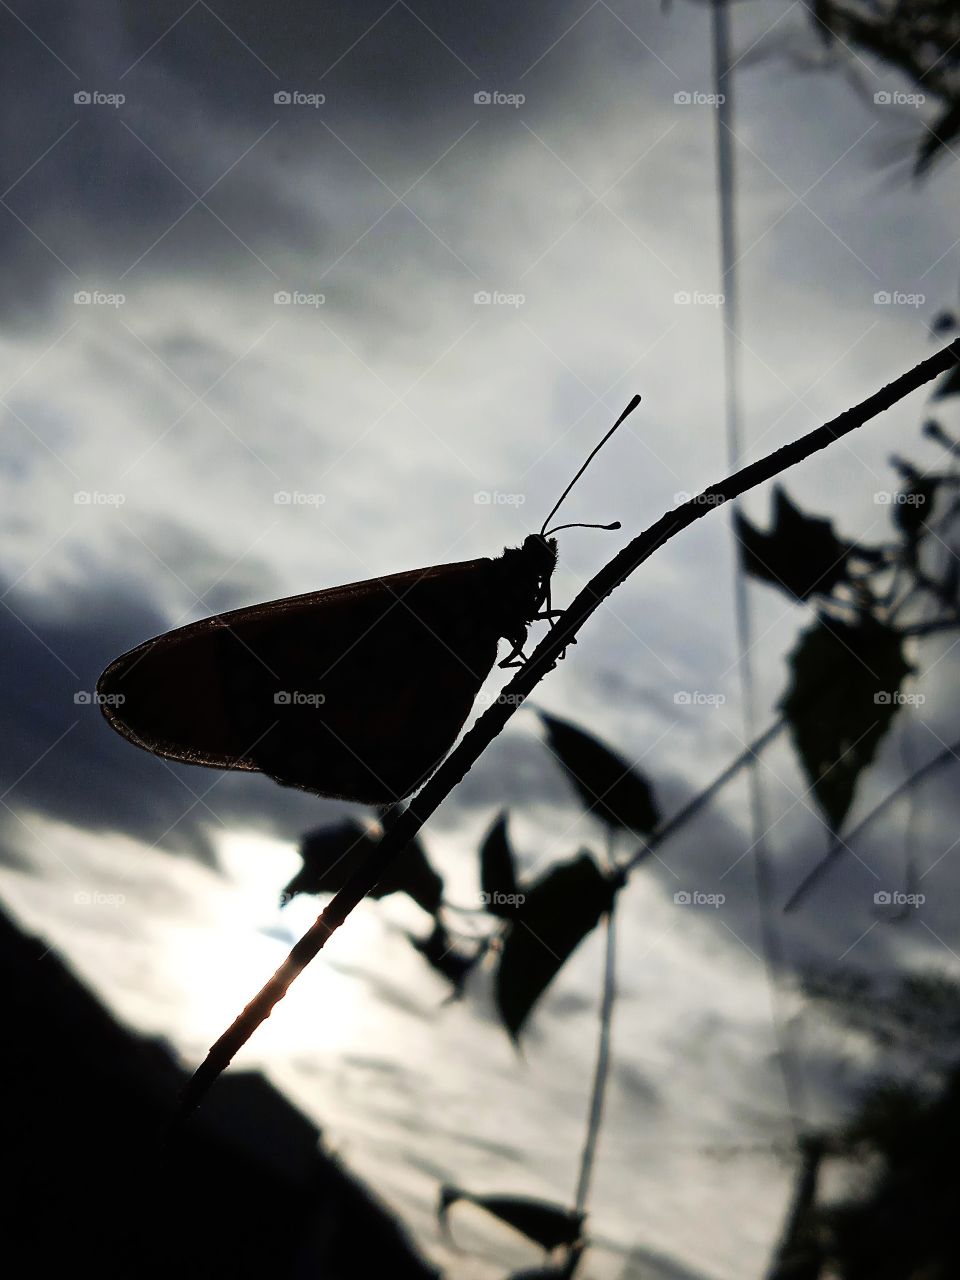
{"x": 355, "y": 692}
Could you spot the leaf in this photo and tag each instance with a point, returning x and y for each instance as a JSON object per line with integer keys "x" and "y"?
{"x": 548, "y": 1225}
{"x": 842, "y": 698}
{"x": 943, "y": 322}
{"x": 557, "y": 913}
{"x": 498, "y": 877}
{"x": 801, "y": 554}
{"x": 608, "y": 786}
{"x": 949, "y": 384}
{"x": 439, "y": 952}
{"x": 938, "y": 137}
{"x": 332, "y": 854}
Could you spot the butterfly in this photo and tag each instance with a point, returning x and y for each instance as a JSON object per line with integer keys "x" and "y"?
{"x": 356, "y": 692}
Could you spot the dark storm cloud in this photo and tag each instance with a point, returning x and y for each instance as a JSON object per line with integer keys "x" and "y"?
{"x": 198, "y": 169}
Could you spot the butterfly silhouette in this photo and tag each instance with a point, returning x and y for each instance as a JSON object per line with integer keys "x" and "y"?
{"x": 356, "y": 692}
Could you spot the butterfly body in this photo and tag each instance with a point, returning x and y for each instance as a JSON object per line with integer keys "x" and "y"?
{"x": 355, "y": 692}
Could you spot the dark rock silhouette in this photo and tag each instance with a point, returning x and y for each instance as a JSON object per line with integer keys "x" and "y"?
{"x": 243, "y": 1190}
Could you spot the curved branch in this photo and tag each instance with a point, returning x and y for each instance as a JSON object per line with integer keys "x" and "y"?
{"x": 543, "y": 659}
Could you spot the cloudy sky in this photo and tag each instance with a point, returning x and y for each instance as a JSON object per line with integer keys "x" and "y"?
{"x": 242, "y": 358}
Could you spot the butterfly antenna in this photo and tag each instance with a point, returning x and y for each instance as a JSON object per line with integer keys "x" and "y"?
{"x": 626, "y": 413}
{"x": 558, "y": 528}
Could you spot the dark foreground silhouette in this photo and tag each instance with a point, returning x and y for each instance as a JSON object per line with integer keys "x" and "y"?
{"x": 244, "y": 1190}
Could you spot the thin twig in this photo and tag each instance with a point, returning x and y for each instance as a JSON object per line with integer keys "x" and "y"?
{"x": 841, "y": 844}
{"x": 703, "y": 798}
{"x": 602, "y": 1069}
{"x": 544, "y": 659}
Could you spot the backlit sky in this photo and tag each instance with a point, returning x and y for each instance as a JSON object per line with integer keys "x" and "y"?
{"x": 147, "y": 434}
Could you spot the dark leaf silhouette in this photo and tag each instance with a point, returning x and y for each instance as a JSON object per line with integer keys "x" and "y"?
{"x": 440, "y": 953}
{"x": 842, "y": 697}
{"x": 801, "y": 554}
{"x": 498, "y": 878}
{"x": 332, "y": 854}
{"x": 915, "y": 501}
{"x": 949, "y": 384}
{"x": 548, "y": 1225}
{"x": 943, "y": 322}
{"x": 938, "y": 137}
{"x": 608, "y": 786}
{"x": 557, "y": 913}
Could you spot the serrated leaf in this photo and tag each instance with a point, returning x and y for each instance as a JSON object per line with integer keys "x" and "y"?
{"x": 333, "y": 853}
{"x": 548, "y": 1225}
{"x": 801, "y": 554}
{"x": 557, "y": 913}
{"x": 609, "y": 787}
{"x": 498, "y": 877}
{"x": 841, "y": 701}
{"x": 440, "y": 953}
